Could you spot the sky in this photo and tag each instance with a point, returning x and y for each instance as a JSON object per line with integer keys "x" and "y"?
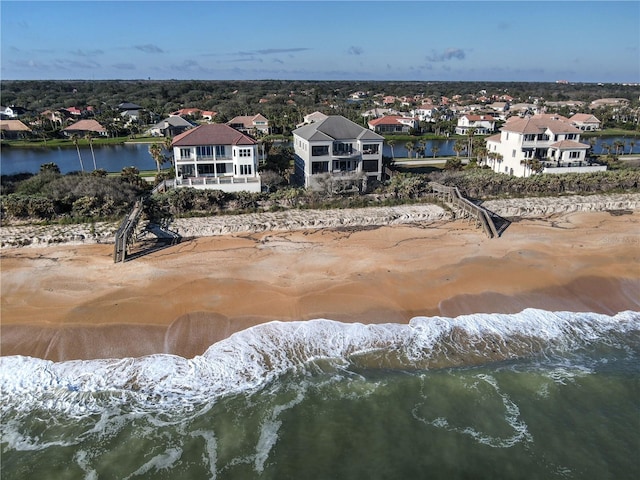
{"x": 541, "y": 41}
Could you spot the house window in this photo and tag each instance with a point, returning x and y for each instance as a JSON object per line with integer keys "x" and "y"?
{"x": 221, "y": 151}
{"x": 245, "y": 170}
{"x": 370, "y": 148}
{"x": 320, "y": 150}
{"x": 185, "y": 153}
{"x": 574, "y": 154}
{"x": 370, "y": 165}
{"x": 244, "y": 152}
{"x": 513, "y": 153}
{"x": 319, "y": 167}
{"x": 206, "y": 169}
{"x": 204, "y": 151}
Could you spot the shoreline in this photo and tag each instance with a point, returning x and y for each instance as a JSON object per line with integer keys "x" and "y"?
{"x": 72, "y": 302}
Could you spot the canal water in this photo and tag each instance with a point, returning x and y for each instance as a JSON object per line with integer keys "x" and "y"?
{"x": 114, "y": 158}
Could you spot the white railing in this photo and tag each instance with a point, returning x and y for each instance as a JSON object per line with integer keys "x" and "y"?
{"x": 193, "y": 181}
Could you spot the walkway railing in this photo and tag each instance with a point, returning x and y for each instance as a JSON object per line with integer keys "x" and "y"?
{"x": 126, "y": 232}
{"x": 465, "y": 208}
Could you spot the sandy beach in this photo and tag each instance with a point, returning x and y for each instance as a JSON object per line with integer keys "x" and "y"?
{"x": 69, "y": 301}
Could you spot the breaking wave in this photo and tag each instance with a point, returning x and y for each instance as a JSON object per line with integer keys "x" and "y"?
{"x": 253, "y": 358}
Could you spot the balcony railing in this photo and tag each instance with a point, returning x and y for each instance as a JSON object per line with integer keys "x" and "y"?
{"x": 193, "y": 181}
{"x": 346, "y": 154}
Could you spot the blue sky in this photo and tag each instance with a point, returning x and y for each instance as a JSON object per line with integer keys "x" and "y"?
{"x": 579, "y": 41}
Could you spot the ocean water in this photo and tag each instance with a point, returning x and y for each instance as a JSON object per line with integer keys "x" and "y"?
{"x": 538, "y": 395}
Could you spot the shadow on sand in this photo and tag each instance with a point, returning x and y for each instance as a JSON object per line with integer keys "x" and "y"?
{"x": 164, "y": 238}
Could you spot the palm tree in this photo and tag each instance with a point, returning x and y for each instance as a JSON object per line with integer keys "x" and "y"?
{"x": 618, "y": 145}
{"x": 391, "y": 142}
{"x": 75, "y": 139}
{"x": 632, "y": 144}
{"x": 459, "y": 147}
{"x": 156, "y": 152}
{"x": 167, "y": 143}
{"x": 470, "y": 134}
{"x": 435, "y": 150}
{"x": 89, "y": 137}
{"x": 423, "y": 146}
{"x": 409, "y": 146}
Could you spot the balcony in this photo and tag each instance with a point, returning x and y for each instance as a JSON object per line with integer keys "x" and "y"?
{"x": 346, "y": 154}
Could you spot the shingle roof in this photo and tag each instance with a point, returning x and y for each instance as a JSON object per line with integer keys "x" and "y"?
{"x": 569, "y": 144}
{"x": 212, "y": 134}
{"x": 537, "y": 125}
{"x": 13, "y": 126}
{"x": 335, "y": 127}
{"x": 174, "y": 121}
{"x": 85, "y": 126}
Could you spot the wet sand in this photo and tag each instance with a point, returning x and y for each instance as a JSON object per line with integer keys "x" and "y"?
{"x": 72, "y": 302}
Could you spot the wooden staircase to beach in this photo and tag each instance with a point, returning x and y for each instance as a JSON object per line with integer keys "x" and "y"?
{"x": 125, "y": 235}
{"x": 465, "y": 208}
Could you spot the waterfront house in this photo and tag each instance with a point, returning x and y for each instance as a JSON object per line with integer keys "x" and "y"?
{"x": 216, "y": 156}
{"x": 393, "y": 124}
{"x": 85, "y": 127}
{"x": 481, "y": 124}
{"x": 585, "y": 122}
{"x": 540, "y": 142}
{"x": 336, "y": 149}
{"x": 250, "y": 124}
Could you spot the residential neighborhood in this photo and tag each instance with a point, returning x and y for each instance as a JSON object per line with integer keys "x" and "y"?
{"x": 338, "y": 133}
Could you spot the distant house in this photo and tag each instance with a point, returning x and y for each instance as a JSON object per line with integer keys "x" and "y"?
{"x": 195, "y": 112}
{"x": 379, "y": 112}
{"x": 170, "y": 127}
{"x": 84, "y": 127}
{"x": 545, "y": 141}
{"x": 481, "y": 124}
{"x": 129, "y": 110}
{"x": 312, "y": 117}
{"x": 13, "y": 129}
{"x": 425, "y": 112}
{"x": 393, "y": 124}
{"x": 216, "y": 156}
{"x": 12, "y": 112}
{"x": 336, "y": 148}
{"x": 585, "y": 122}
{"x": 251, "y": 124}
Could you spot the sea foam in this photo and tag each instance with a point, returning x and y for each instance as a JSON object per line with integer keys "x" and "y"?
{"x": 250, "y": 359}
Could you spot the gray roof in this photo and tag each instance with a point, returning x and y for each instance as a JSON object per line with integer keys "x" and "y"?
{"x": 335, "y": 127}
{"x": 174, "y": 121}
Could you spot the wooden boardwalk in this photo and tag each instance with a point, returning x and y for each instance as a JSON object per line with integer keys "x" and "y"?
{"x": 126, "y": 232}
{"x": 464, "y": 208}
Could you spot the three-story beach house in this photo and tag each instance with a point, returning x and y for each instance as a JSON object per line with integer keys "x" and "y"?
{"x": 216, "y": 156}
{"x": 336, "y": 148}
{"x": 544, "y": 143}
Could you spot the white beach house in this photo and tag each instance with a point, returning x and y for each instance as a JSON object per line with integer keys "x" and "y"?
{"x": 551, "y": 142}
{"x": 216, "y": 156}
